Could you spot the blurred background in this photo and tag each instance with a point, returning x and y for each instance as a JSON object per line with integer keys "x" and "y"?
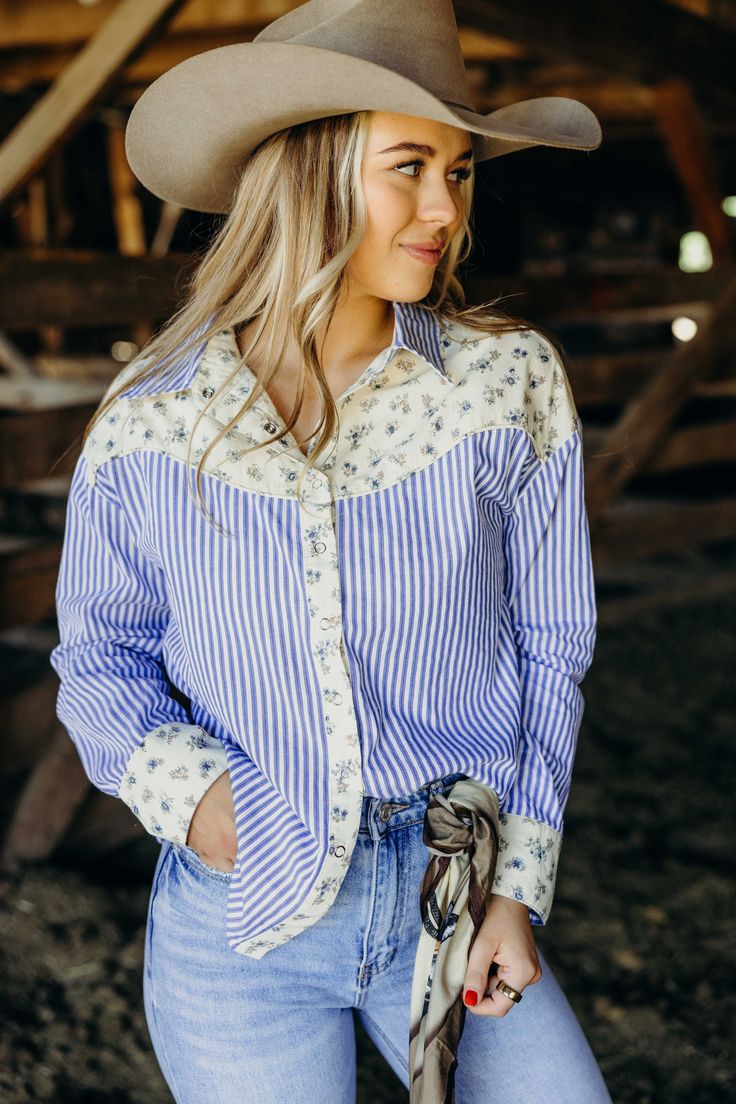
{"x": 627, "y": 255}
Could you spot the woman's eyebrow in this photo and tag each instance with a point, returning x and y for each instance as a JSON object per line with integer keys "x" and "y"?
{"x": 428, "y": 151}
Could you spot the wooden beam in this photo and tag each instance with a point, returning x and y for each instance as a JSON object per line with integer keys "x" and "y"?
{"x": 33, "y": 65}
{"x": 37, "y": 445}
{"x": 665, "y": 590}
{"x": 646, "y": 40}
{"x": 69, "y": 23}
{"x": 95, "y": 289}
{"x": 634, "y": 529}
{"x": 581, "y": 297}
{"x": 612, "y": 378}
{"x": 695, "y": 446}
{"x": 103, "y": 289}
{"x": 691, "y": 154}
{"x": 28, "y": 571}
{"x": 63, "y": 107}
{"x": 24, "y": 395}
{"x": 47, "y": 804}
{"x": 688, "y": 447}
{"x": 647, "y": 418}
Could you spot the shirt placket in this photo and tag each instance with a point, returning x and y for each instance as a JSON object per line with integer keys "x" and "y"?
{"x": 345, "y": 778}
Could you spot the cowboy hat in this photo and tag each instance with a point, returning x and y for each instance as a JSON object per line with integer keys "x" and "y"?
{"x": 194, "y": 127}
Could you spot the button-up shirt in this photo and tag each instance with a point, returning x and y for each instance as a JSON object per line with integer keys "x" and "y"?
{"x": 426, "y": 607}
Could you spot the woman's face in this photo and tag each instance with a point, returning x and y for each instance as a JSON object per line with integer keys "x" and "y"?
{"x": 413, "y": 198}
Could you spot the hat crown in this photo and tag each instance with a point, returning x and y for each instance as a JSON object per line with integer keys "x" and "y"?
{"x": 417, "y": 39}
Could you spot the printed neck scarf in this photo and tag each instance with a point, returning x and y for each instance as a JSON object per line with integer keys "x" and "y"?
{"x": 461, "y": 832}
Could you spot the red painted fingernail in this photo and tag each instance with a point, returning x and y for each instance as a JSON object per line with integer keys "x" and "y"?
{"x": 471, "y": 997}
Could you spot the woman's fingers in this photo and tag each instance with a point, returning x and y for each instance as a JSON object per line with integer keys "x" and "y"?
{"x": 212, "y": 832}
{"x": 489, "y": 963}
{"x": 496, "y": 1003}
{"x": 225, "y": 865}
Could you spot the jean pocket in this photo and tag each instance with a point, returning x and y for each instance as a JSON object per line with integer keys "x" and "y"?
{"x": 192, "y": 860}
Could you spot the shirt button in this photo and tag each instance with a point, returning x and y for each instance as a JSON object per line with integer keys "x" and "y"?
{"x": 208, "y": 392}
{"x": 339, "y": 850}
{"x": 319, "y": 547}
{"x": 337, "y": 697}
{"x": 325, "y": 623}
{"x": 270, "y": 427}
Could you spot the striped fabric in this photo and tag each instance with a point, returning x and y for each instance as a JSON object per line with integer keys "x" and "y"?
{"x": 427, "y": 607}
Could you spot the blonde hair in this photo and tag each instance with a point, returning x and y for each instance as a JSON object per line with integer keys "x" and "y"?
{"x": 298, "y": 215}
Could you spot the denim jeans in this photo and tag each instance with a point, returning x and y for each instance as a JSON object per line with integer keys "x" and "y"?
{"x": 229, "y": 1029}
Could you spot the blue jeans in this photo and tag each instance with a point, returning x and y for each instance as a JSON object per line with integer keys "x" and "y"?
{"x": 229, "y": 1029}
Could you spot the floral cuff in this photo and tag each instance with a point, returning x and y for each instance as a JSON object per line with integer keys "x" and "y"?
{"x": 167, "y": 776}
{"x": 528, "y": 853}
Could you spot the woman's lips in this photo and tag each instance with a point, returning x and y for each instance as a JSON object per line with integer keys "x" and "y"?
{"x": 428, "y": 256}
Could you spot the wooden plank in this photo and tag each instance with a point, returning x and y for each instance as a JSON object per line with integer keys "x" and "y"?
{"x": 46, "y": 805}
{"x": 584, "y": 297}
{"x": 40, "y": 64}
{"x": 688, "y": 447}
{"x": 95, "y": 289}
{"x": 37, "y": 508}
{"x": 40, "y": 444}
{"x": 127, "y": 211}
{"x": 64, "y": 105}
{"x": 694, "y": 446}
{"x": 633, "y": 530}
{"x": 645, "y": 40}
{"x": 668, "y": 594}
{"x": 22, "y": 395}
{"x": 690, "y": 151}
{"x": 29, "y": 568}
{"x": 77, "y": 366}
{"x": 609, "y": 378}
{"x": 647, "y": 418}
{"x": 102, "y": 289}
{"x": 69, "y": 23}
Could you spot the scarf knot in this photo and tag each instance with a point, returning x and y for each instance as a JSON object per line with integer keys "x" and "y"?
{"x": 461, "y": 834}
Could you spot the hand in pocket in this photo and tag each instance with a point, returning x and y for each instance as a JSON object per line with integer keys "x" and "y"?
{"x": 212, "y": 832}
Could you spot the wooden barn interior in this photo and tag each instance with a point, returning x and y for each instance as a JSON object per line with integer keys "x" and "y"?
{"x": 626, "y": 253}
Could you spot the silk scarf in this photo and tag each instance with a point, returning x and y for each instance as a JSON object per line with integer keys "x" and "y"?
{"x": 461, "y": 831}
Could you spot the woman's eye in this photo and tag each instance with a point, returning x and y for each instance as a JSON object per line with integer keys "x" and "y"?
{"x": 462, "y": 174}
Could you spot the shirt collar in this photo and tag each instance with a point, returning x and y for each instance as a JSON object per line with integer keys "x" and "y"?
{"x": 417, "y": 329}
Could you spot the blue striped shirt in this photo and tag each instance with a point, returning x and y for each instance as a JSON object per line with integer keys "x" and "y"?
{"x": 427, "y": 607}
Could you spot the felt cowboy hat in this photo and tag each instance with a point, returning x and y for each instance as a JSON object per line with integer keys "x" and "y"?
{"x": 195, "y": 126}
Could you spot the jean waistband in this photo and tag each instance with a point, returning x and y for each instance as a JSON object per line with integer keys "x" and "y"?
{"x": 380, "y": 814}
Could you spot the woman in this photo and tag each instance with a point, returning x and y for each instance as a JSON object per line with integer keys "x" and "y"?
{"x": 376, "y": 590}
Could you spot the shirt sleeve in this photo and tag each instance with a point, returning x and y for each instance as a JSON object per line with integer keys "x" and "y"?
{"x": 134, "y": 739}
{"x": 550, "y": 592}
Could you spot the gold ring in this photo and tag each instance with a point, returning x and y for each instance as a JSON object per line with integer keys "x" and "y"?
{"x": 513, "y": 994}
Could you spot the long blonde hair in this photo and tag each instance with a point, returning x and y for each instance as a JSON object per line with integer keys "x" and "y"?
{"x": 298, "y": 215}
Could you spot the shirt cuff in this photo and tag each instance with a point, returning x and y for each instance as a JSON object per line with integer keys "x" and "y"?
{"x": 528, "y": 853}
{"x": 167, "y": 776}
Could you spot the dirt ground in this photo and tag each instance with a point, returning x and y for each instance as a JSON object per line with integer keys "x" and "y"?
{"x": 641, "y": 933}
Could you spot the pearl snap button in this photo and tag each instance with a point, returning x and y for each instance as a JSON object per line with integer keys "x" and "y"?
{"x": 319, "y": 547}
{"x": 339, "y": 850}
{"x": 208, "y": 392}
{"x": 325, "y": 623}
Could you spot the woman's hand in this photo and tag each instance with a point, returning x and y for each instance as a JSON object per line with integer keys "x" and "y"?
{"x": 506, "y": 938}
{"x": 212, "y": 831}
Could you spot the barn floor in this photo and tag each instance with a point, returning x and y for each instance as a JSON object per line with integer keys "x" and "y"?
{"x": 641, "y": 934}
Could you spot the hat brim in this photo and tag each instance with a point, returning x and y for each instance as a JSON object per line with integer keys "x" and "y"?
{"x": 192, "y": 130}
